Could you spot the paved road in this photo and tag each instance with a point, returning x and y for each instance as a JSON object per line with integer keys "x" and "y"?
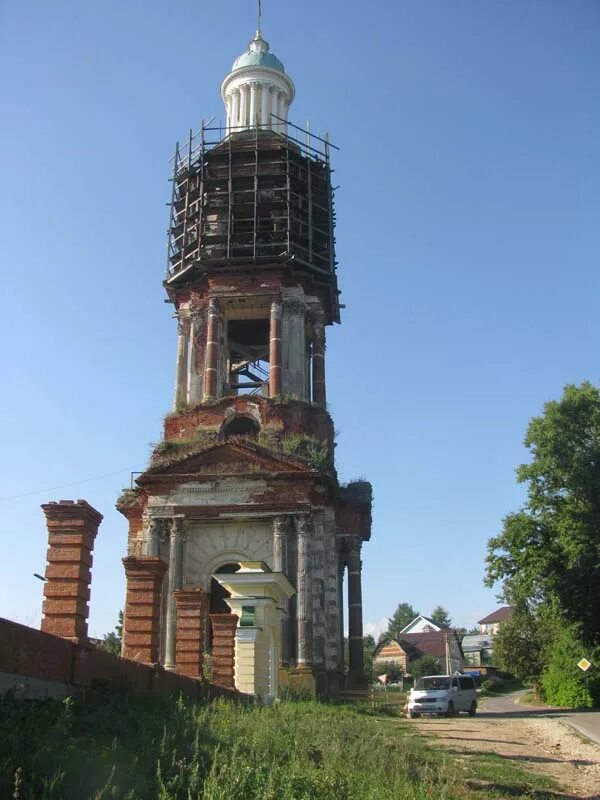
{"x": 586, "y": 722}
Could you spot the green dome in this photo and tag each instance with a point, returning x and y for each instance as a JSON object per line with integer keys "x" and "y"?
{"x": 258, "y": 55}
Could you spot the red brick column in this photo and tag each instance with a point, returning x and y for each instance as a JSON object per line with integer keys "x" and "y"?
{"x": 191, "y": 619}
{"x": 72, "y": 528}
{"x": 275, "y": 366}
{"x": 223, "y": 649}
{"x": 141, "y": 624}
{"x": 213, "y": 351}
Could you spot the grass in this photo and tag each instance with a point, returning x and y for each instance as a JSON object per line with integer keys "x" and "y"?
{"x": 113, "y": 744}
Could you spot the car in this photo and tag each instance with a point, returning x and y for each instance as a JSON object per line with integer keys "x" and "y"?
{"x": 444, "y": 695}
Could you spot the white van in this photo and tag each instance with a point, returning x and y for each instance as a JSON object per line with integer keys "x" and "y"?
{"x": 443, "y": 695}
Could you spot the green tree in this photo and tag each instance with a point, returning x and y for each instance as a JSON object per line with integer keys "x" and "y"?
{"x": 549, "y": 551}
{"x": 368, "y": 650}
{"x": 441, "y": 617}
{"x": 112, "y": 641}
{"x": 563, "y": 682}
{"x": 426, "y": 665}
{"x": 404, "y": 614}
{"x": 517, "y": 645}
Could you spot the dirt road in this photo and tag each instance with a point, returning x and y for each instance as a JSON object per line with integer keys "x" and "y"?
{"x": 532, "y": 738}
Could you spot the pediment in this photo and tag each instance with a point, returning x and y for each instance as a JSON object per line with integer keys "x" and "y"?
{"x": 230, "y": 458}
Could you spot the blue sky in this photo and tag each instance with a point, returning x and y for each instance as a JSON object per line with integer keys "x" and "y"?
{"x": 467, "y": 237}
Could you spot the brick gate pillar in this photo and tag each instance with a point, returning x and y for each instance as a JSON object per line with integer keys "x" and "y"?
{"x": 223, "y": 649}
{"x": 72, "y": 529}
{"x": 192, "y": 607}
{"x": 141, "y": 625}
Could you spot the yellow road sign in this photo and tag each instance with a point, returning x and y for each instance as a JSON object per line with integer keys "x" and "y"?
{"x": 584, "y": 664}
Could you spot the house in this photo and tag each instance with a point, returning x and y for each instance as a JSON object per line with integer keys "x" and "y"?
{"x": 441, "y": 644}
{"x": 477, "y": 649}
{"x": 492, "y": 622}
{"x": 421, "y": 624}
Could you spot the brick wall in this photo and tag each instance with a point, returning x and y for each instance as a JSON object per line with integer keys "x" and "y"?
{"x": 28, "y": 652}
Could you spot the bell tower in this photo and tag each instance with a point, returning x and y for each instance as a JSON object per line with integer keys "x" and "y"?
{"x": 245, "y": 470}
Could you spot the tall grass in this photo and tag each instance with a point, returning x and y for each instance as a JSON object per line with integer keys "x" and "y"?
{"x": 113, "y": 744}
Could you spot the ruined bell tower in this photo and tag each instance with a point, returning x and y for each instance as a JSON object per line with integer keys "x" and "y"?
{"x": 245, "y": 470}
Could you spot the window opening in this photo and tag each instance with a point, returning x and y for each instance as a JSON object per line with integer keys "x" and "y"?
{"x": 248, "y": 341}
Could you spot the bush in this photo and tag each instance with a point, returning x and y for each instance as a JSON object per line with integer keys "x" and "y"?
{"x": 563, "y": 683}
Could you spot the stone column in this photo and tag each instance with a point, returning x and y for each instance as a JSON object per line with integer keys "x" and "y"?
{"x": 175, "y": 583}
{"x": 141, "y": 622}
{"x": 192, "y": 607}
{"x": 229, "y": 112}
{"x": 181, "y": 372}
{"x": 294, "y": 348}
{"x": 72, "y": 529}
{"x": 280, "y": 564}
{"x": 275, "y": 367}
{"x": 341, "y": 567}
{"x": 223, "y": 649}
{"x": 318, "y": 360}
{"x": 197, "y": 342}
{"x": 304, "y": 590}
{"x": 355, "y": 621}
{"x": 211, "y": 370}
{"x": 155, "y": 532}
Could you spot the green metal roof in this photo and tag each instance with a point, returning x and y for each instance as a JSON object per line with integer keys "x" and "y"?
{"x": 258, "y": 55}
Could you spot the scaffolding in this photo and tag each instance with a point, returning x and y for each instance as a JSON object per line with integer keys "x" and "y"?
{"x": 252, "y": 197}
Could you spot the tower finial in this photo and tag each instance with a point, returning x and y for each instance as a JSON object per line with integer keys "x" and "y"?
{"x": 259, "y": 2}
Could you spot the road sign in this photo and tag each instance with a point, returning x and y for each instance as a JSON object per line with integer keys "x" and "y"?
{"x": 584, "y": 664}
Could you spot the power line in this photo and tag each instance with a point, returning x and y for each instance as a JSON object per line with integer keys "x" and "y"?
{"x": 63, "y": 485}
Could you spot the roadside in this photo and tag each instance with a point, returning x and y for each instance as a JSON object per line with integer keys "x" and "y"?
{"x": 516, "y": 738}
{"x": 584, "y": 722}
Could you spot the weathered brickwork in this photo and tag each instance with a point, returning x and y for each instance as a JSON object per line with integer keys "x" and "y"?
{"x": 192, "y": 619}
{"x": 141, "y": 629}
{"x": 34, "y": 654}
{"x": 72, "y": 529}
{"x": 223, "y": 654}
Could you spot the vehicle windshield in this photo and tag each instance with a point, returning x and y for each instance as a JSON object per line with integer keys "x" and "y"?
{"x": 433, "y": 683}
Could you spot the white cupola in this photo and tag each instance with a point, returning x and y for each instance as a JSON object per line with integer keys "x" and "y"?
{"x": 257, "y": 92}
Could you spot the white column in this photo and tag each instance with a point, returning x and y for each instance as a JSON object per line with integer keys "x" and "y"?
{"x": 264, "y": 105}
{"x": 270, "y": 107}
{"x": 304, "y": 589}
{"x": 175, "y": 582}
{"x": 253, "y": 87}
{"x": 228, "y": 107}
{"x": 236, "y": 108}
{"x": 243, "y": 105}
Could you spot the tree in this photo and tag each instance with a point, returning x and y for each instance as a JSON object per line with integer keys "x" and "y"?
{"x": 517, "y": 645}
{"x": 404, "y": 614}
{"x": 549, "y": 551}
{"x": 441, "y": 617}
{"x": 426, "y": 665}
{"x": 368, "y": 650}
{"x": 112, "y": 641}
